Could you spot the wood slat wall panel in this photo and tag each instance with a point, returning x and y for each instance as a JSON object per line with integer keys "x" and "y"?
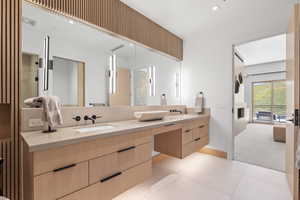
{"x": 117, "y": 17}
{"x": 10, "y": 12}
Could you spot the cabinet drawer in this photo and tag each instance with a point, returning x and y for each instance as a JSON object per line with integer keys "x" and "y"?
{"x": 46, "y": 161}
{"x": 167, "y": 128}
{"x": 199, "y": 144}
{"x": 200, "y": 131}
{"x": 187, "y": 136}
{"x": 188, "y": 149}
{"x": 114, "y": 185}
{"x": 119, "y": 161}
{"x": 60, "y": 182}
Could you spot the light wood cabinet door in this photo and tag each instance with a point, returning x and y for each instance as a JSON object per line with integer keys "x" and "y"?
{"x": 136, "y": 175}
{"x": 188, "y": 149}
{"x": 187, "y": 136}
{"x": 200, "y": 131}
{"x": 108, "y": 188}
{"x": 120, "y": 161}
{"x": 134, "y": 155}
{"x": 45, "y": 161}
{"x": 60, "y": 182}
{"x": 200, "y": 143}
{"x": 105, "y": 190}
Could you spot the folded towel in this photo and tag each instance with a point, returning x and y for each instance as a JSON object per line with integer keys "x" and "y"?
{"x": 51, "y": 107}
{"x": 199, "y": 101}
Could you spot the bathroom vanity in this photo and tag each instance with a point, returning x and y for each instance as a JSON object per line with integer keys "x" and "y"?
{"x": 96, "y": 165}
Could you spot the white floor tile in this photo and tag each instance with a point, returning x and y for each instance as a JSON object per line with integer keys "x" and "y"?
{"x": 204, "y": 177}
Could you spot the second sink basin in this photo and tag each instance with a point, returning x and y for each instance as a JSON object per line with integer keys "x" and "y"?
{"x": 94, "y": 129}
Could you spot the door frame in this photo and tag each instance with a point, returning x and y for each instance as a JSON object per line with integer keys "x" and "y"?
{"x": 231, "y": 137}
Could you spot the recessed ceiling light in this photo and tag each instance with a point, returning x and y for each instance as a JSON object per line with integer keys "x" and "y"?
{"x": 216, "y": 8}
{"x": 71, "y": 21}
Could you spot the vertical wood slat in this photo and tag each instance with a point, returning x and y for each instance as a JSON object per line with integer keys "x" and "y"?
{"x": 9, "y": 95}
{"x": 119, "y": 18}
{"x": 1, "y": 54}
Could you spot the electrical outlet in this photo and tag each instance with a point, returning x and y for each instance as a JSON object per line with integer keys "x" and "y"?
{"x": 36, "y": 123}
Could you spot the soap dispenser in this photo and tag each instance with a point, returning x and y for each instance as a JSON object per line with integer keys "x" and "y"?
{"x": 163, "y": 100}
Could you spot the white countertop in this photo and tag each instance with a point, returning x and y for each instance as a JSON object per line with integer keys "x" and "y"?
{"x": 39, "y": 141}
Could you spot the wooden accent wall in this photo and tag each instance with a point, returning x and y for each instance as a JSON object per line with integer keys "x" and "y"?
{"x": 10, "y": 12}
{"x": 117, "y": 17}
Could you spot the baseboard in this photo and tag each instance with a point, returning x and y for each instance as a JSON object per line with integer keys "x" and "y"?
{"x": 214, "y": 152}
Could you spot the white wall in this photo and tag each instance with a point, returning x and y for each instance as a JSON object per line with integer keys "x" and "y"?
{"x": 207, "y": 67}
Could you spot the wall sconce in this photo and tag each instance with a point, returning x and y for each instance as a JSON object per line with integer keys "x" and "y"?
{"x": 46, "y": 62}
{"x": 113, "y": 74}
{"x": 152, "y": 80}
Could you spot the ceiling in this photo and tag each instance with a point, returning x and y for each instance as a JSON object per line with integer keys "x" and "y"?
{"x": 252, "y": 19}
{"x": 266, "y": 50}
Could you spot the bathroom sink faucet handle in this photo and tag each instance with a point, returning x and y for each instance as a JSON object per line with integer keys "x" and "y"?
{"x": 86, "y": 118}
{"x": 77, "y": 118}
{"x": 94, "y": 117}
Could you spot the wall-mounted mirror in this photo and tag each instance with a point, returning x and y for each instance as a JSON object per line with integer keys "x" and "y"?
{"x": 90, "y": 67}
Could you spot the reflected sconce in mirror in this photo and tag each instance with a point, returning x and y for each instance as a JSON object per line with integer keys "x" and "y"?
{"x": 48, "y": 64}
{"x": 112, "y": 74}
{"x": 152, "y": 81}
{"x": 177, "y": 84}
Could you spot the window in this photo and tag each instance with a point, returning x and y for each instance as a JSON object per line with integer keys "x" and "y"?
{"x": 269, "y": 101}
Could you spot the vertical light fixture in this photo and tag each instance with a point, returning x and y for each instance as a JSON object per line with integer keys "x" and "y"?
{"x": 112, "y": 74}
{"x": 152, "y": 80}
{"x": 46, "y": 63}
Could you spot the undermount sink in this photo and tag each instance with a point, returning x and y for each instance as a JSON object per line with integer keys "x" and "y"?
{"x": 94, "y": 129}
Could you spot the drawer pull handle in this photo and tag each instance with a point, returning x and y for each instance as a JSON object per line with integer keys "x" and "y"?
{"x": 188, "y": 130}
{"x": 63, "y": 168}
{"x": 170, "y": 125}
{"x": 202, "y": 126}
{"x": 126, "y": 149}
{"x": 110, "y": 177}
{"x": 197, "y": 139}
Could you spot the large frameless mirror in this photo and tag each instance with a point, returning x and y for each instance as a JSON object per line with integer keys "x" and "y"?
{"x": 85, "y": 66}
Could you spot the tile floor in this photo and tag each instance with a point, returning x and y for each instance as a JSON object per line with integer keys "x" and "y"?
{"x": 266, "y": 153}
{"x": 205, "y": 177}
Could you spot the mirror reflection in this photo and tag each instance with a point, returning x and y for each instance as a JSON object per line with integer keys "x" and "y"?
{"x": 84, "y": 66}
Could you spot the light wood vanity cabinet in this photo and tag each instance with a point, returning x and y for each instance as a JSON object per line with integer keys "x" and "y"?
{"x": 192, "y": 136}
{"x": 96, "y": 168}
{"x": 101, "y": 169}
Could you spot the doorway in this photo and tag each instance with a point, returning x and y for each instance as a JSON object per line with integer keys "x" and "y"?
{"x": 259, "y": 116}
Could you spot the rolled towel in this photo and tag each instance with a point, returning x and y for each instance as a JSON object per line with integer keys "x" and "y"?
{"x": 51, "y": 108}
{"x": 199, "y": 102}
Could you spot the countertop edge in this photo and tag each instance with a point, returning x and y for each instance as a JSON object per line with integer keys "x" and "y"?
{"x": 51, "y": 145}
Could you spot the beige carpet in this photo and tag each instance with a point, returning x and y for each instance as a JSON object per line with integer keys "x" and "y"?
{"x": 255, "y": 145}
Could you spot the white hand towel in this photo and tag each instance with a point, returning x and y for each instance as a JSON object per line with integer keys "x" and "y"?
{"x": 199, "y": 103}
{"x": 51, "y": 106}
